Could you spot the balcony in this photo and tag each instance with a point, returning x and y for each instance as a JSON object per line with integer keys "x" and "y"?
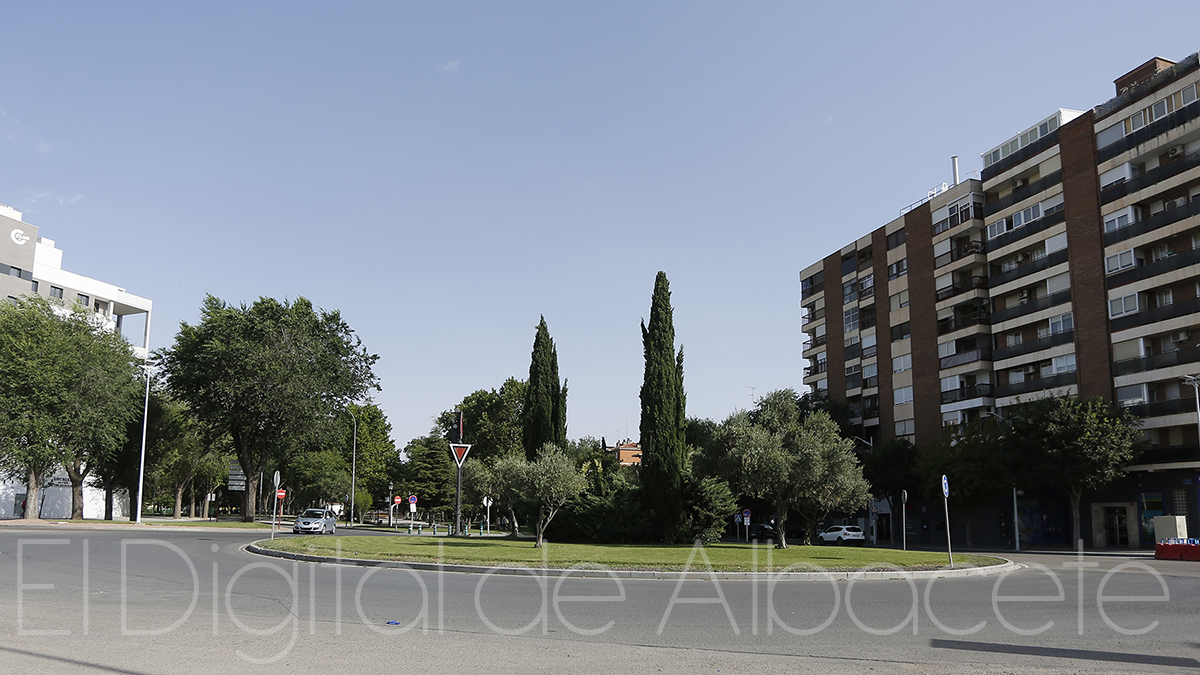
{"x": 1160, "y": 219}
{"x": 871, "y": 413}
{"x": 953, "y": 323}
{"x": 1164, "y": 360}
{"x": 1156, "y": 128}
{"x": 967, "y": 393}
{"x": 1032, "y": 306}
{"x": 813, "y": 342}
{"x": 1149, "y": 178}
{"x": 1031, "y": 346}
{"x": 1145, "y": 316}
{"x": 1044, "y": 263}
{"x": 806, "y": 293}
{"x": 816, "y": 368}
{"x": 979, "y": 354}
{"x": 962, "y": 286}
{"x": 971, "y": 248}
{"x": 1036, "y": 384}
{"x": 1162, "y": 455}
{"x": 1021, "y": 194}
{"x": 815, "y": 315}
{"x": 1049, "y": 140}
{"x": 1171, "y": 406}
{"x": 1041, "y": 224}
{"x": 1160, "y": 266}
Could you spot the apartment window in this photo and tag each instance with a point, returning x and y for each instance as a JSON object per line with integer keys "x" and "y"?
{"x": 1163, "y": 297}
{"x": 1027, "y": 216}
{"x": 902, "y": 331}
{"x": 1159, "y": 252}
{"x": 1123, "y": 305}
{"x": 809, "y": 286}
{"x": 1064, "y": 363}
{"x": 1120, "y": 261}
{"x": 1012, "y": 339}
{"x": 822, "y": 385}
{"x": 1062, "y": 323}
{"x": 56, "y": 292}
{"x": 870, "y": 374}
{"x": 896, "y": 238}
{"x": 898, "y": 269}
{"x": 905, "y": 427}
{"x": 868, "y": 346}
{"x": 14, "y": 272}
{"x": 853, "y": 348}
{"x": 1119, "y": 219}
{"x": 866, "y": 286}
{"x": 849, "y": 291}
{"x": 903, "y": 395}
{"x": 853, "y": 377}
{"x": 902, "y": 363}
{"x": 12, "y": 300}
{"x": 999, "y": 227}
{"x": 83, "y": 299}
{"x": 899, "y": 300}
{"x": 1131, "y": 395}
{"x": 33, "y": 286}
{"x": 850, "y": 319}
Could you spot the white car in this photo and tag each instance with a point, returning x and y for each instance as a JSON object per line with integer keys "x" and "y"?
{"x": 316, "y": 521}
{"x": 841, "y": 534}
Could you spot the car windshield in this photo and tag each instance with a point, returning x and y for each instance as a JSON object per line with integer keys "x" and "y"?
{"x": 836, "y": 528}
{"x": 854, "y": 529}
{"x": 313, "y": 513}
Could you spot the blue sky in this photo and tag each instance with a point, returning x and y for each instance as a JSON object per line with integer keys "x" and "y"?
{"x": 444, "y": 173}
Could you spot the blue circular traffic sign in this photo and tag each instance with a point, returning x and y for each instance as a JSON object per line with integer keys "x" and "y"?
{"x": 412, "y": 499}
{"x": 945, "y": 487}
{"x": 746, "y": 513}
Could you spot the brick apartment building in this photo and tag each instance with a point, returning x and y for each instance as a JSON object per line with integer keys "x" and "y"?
{"x": 1072, "y": 266}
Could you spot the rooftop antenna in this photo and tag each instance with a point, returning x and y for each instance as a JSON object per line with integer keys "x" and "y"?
{"x": 751, "y": 392}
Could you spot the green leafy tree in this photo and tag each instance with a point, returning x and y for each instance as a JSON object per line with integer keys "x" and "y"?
{"x": 428, "y": 471}
{"x": 183, "y": 453}
{"x": 890, "y": 468}
{"x": 492, "y": 418}
{"x": 1072, "y": 444}
{"x": 377, "y": 457}
{"x": 318, "y": 477}
{"x": 544, "y": 415}
{"x": 663, "y": 419}
{"x": 70, "y": 390}
{"x": 833, "y": 480}
{"x": 510, "y": 476}
{"x": 972, "y": 457}
{"x": 270, "y": 375}
{"x": 552, "y": 480}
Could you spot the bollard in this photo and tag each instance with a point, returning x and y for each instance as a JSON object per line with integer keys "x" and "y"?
{"x": 410, "y": 527}
{"x": 419, "y": 527}
{"x": 435, "y": 529}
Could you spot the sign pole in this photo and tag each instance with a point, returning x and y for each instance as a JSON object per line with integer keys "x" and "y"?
{"x": 903, "y": 520}
{"x": 946, "y": 505}
{"x": 459, "y": 450}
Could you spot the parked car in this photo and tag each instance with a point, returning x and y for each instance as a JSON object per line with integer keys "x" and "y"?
{"x": 317, "y": 521}
{"x": 762, "y": 531}
{"x": 840, "y": 534}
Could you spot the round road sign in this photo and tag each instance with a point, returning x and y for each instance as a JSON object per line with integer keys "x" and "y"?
{"x": 746, "y": 513}
{"x": 412, "y": 499}
{"x": 945, "y": 487}
{"x": 397, "y": 499}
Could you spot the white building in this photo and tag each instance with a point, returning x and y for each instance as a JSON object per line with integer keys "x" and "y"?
{"x": 30, "y": 264}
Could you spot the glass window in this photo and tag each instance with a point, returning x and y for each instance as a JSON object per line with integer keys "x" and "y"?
{"x": 905, "y": 427}
{"x": 899, "y": 300}
{"x": 902, "y": 331}
{"x": 850, "y": 319}
{"x": 903, "y": 395}
{"x": 83, "y": 299}
{"x": 896, "y": 238}
{"x": 898, "y": 269}
{"x": 849, "y": 291}
{"x": 1124, "y": 305}
{"x": 1064, "y": 363}
{"x": 1120, "y": 261}
{"x": 56, "y": 292}
{"x": 902, "y": 363}
{"x": 1062, "y": 323}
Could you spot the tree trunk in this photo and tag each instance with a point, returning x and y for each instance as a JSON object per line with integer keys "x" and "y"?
{"x": 512, "y": 518}
{"x": 205, "y": 512}
{"x": 178, "y": 512}
{"x": 250, "y": 497}
{"x": 32, "y": 488}
{"x": 76, "y": 473}
{"x": 781, "y": 510}
{"x": 1075, "y": 498}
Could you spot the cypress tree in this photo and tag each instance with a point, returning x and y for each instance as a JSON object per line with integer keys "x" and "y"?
{"x": 663, "y": 422}
{"x": 544, "y": 417}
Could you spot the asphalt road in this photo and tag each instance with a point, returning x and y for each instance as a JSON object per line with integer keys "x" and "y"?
{"x": 80, "y": 600}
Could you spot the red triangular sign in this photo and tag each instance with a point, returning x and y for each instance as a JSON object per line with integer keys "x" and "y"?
{"x": 460, "y": 451}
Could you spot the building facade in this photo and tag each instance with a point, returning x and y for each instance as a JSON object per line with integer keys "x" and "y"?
{"x": 29, "y": 265}
{"x": 1071, "y": 266}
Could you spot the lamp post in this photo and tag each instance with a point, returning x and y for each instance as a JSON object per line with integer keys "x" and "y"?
{"x": 1194, "y": 380}
{"x": 1016, "y": 522}
{"x": 145, "y": 424}
{"x": 353, "y": 464}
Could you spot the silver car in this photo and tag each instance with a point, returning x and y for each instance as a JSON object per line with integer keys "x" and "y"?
{"x": 315, "y": 521}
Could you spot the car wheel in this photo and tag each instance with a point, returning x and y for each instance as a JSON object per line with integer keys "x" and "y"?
{"x": 839, "y": 541}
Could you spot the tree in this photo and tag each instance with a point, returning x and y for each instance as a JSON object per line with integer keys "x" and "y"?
{"x": 69, "y": 392}
{"x": 544, "y": 415}
{"x": 318, "y": 477}
{"x": 428, "y": 472}
{"x": 1072, "y": 444}
{"x": 510, "y": 475}
{"x": 833, "y": 479}
{"x": 972, "y": 457}
{"x": 663, "y": 420}
{"x": 890, "y": 469}
{"x": 493, "y": 420}
{"x": 270, "y": 375}
{"x": 552, "y": 481}
{"x": 377, "y": 457}
{"x": 184, "y": 455}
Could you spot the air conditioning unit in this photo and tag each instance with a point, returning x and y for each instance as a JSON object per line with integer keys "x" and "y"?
{"x": 1175, "y": 151}
{"x": 1180, "y": 336}
{"x": 1018, "y": 183}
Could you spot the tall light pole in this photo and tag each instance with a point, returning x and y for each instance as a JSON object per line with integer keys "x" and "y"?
{"x": 1194, "y": 380}
{"x": 353, "y": 464}
{"x": 145, "y": 423}
{"x": 1016, "y": 512}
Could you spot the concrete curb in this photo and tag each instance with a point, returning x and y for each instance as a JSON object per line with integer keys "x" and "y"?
{"x": 590, "y": 573}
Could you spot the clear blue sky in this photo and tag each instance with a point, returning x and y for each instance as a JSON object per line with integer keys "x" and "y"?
{"x": 444, "y": 173}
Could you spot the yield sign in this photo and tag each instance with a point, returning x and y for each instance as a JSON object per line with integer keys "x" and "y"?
{"x": 460, "y": 450}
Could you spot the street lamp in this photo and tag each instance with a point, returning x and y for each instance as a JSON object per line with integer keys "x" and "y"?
{"x": 1016, "y": 521}
{"x": 353, "y": 464}
{"x": 1194, "y": 380}
{"x": 145, "y": 424}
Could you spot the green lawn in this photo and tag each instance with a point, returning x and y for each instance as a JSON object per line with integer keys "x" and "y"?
{"x": 521, "y": 553}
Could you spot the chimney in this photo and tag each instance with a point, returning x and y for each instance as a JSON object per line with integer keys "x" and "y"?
{"x": 954, "y": 163}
